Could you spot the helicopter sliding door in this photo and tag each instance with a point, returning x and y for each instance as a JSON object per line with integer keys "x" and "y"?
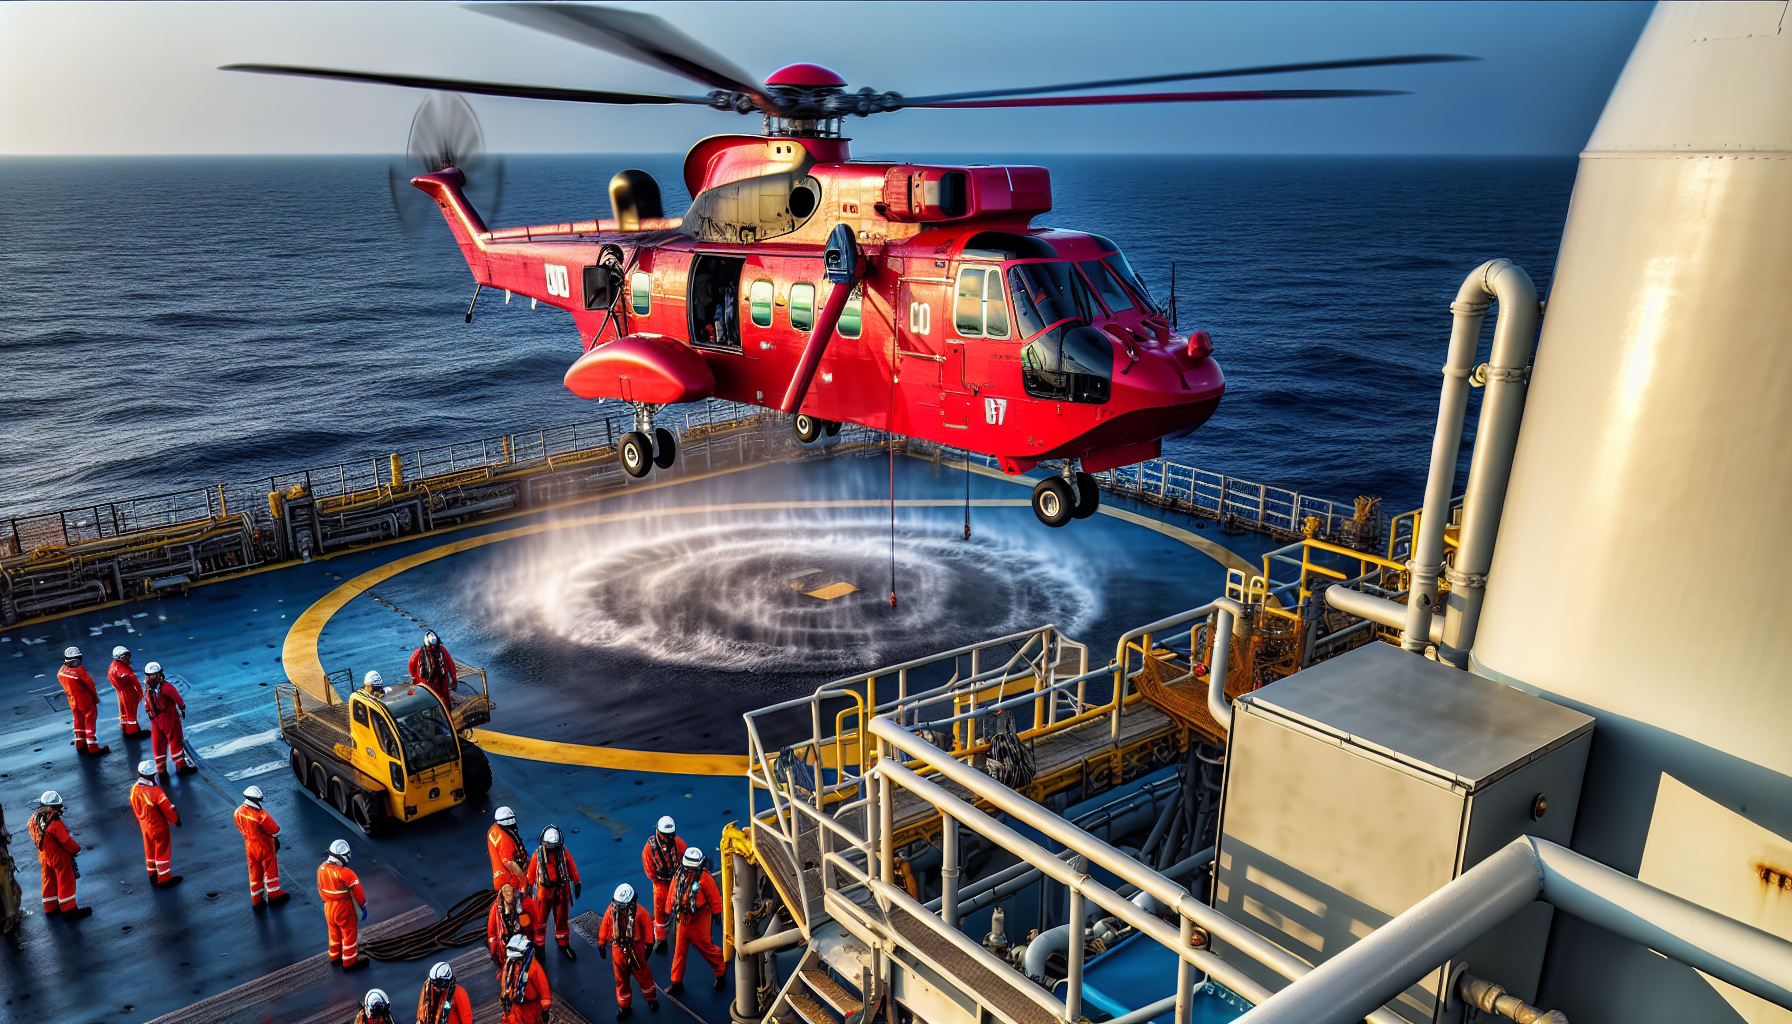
{"x": 920, "y": 332}
{"x": 714, "y": 303}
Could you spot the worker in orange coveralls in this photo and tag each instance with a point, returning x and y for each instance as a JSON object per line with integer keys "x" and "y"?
{"x": 695, "y": 902}
{"x": 56, "y": 853}
{"x": 166, "y": 709}
{"x": 433, "y": 666}
{"x": 261, "y": 844}
{"x": 626, "y": 924}
{"x": 504, "y": 845}
{"x": 660, "y": 858}
{"x": 154, "y": 813}
{"x": 442, "y": 1000}
{"x": 523, "y": 986}
{"x": 129, "y": 690}
{"x": 83, "y": 700}
{"x": 340, "y": 890}
{"x": 514, "y": 912}
{"x": 555, "y": 879}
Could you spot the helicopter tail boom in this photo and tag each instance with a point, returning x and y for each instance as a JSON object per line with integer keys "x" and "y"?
{"x": 446, "y": 188}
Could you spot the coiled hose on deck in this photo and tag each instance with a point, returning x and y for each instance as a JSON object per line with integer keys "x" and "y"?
{"x": 463, "y": 925}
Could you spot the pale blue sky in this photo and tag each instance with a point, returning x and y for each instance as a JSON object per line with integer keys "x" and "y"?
{"x": 78, "y": 78}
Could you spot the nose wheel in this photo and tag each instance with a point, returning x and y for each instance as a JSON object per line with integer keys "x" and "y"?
{"x": 1059, "y": 499}
{"x": 808, "y": 428}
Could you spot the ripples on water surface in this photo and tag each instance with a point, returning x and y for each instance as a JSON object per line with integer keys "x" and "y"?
{"x": 177, "y": 322}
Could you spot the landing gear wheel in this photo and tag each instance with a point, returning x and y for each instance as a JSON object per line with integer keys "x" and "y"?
{"x": 808, "y": 428}
{"x": 475, "y": 771}
{"x": 637, "y": 454}
{"x": 1090, "y": 495}
{"x": 665, "y": 448}
{"x": 833, "y": 428}
{"x": 1051, "y": 501}
{"x": 368, "y": 813}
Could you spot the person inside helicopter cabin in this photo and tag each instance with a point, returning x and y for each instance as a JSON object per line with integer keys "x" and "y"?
{"x": 433, "y": 666}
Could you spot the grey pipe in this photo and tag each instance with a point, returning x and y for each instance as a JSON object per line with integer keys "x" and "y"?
{"x": 1055, "y": 940}
{"x": 777, "y": 940}
{"x": 1490, "y": 468}
{"x": 1217, "y": 705}
{"x": 1446, "y": 445}
{"x": 949, "y": 869}
{"x": 1380, "y": 610}
{"x": 1399, "y": 953}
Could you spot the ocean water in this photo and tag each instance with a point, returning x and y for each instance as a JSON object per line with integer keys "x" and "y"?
{"x": 177, "y": 322}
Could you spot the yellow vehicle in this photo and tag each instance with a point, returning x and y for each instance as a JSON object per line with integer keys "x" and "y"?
{"x": 386, "y": 757}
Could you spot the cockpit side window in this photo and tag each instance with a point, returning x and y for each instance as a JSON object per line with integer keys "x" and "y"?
{"x": 979, "y": 309}
{"x": 1045, "y": 294}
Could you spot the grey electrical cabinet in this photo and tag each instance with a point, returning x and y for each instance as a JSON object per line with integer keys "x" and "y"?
{"x": 1361, "y": 785}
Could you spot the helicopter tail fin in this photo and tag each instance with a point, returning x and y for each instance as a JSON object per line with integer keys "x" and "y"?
{"x": 446, "y": 188}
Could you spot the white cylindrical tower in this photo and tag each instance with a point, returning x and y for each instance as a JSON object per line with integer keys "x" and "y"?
{"x": 1644, "y": 564}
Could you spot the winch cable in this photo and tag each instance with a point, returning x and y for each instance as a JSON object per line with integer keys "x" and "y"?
{"x": 967, "y": 495}
{"x": 463, "y": 925}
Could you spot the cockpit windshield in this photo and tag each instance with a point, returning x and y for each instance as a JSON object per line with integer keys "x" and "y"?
{"x": 423, "y": 730}
{"x": 1045, "y": 294}
{"x": 1123, "y": 270}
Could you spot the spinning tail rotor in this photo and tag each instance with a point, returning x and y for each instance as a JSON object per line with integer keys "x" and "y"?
{"x": 445, "y": 133}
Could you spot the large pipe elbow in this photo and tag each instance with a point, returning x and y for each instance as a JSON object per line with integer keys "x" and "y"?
{"x": 1226, "y": 612}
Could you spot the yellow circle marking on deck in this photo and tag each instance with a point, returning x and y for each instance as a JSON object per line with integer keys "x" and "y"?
{"x": 305, "y": 668}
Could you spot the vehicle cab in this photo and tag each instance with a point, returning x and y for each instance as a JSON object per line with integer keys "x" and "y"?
{"x": 404, "y": 740}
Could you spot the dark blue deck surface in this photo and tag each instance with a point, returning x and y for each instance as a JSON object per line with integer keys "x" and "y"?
{"x": 146, "y": 952}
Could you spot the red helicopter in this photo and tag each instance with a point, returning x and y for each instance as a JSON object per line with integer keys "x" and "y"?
{"x": 913, "y": 298}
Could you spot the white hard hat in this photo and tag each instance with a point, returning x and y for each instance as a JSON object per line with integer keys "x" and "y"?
{"x": 154, "y": 668}
{"x": 339, "y": 848}
{"x": 147, "y": 769}
{"x": 517, "y": 946}
{"x": 667, "y": 825}
{"x": 430, "y": 639}
{"x": 441, "y": 972}
{"x": 375, "y": 999}
{"x": 625, "y": 893}
{"x": 550, "y": 836}
{"x": 71, "y": 652}
{"x": 253, "y": 793}
{"x": 504, "y": 816}
{"x": 374, "y": 679}
{"x": 121, "y": 652}
{"x": 51, "y": 798}
{"x": 693, "y": 857}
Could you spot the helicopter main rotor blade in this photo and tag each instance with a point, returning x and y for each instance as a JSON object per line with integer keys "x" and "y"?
{"x": 1165, "y": 97}
{"x": 533, "y": 92}
{"x": 1263, "y": 69}
{"x": 639, "y": 37}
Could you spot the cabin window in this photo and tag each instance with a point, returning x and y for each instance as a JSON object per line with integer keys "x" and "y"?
{"x": 360, "y": 712}
{"x": 980, "y": 310}
{"x": 802, "y": 307}
{"x": 388, "y": 742}
{"x": 1112, "y": 294}
{"x": 852, "y": 317}
{"x": 760, "y": 298}
{"x": 640, "y": 293}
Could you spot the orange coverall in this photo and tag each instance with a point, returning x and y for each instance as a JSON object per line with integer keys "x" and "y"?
{"x": 259, "y": 829}
{"x": 155, "y": 812}
{"x": 524, "y": 992}
{"x": 130, "y": 694}
{"x": 499, "y": 926}
{"x": 433, "y": 1007}
{"x": 435, "y": 671}
{"x": 506, "y": 852}
{"x": 84, "y": 701}
{"x": 341, "y": 892}
{"x": 553, "y": 892}
{"x": 56, "y": 851}
{"x": 166, "y": 708}
{"x": 696, "y": 901}
{"x": 660, "y": 866}
{"x": 628, "y": 954}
